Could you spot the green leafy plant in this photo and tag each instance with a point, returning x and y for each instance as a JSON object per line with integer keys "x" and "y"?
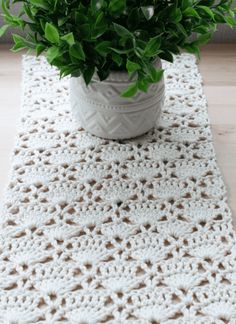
{"x": 81, "y": 37}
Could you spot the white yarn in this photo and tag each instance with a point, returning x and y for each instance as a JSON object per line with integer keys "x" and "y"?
{"x": 135, "y": 231}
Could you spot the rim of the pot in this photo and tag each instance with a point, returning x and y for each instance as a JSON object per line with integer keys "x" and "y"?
{"x": 121, "y": 76}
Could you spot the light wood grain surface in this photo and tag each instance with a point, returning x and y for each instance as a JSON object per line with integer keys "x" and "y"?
{"x": 218, "y": 68}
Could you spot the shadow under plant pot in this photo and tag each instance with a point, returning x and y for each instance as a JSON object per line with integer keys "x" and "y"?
{"x": 100, "y": 109}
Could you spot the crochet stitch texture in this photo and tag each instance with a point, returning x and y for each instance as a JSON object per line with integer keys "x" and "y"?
{"x": 97, "y": 231}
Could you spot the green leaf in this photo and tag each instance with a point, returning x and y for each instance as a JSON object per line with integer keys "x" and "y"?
{"x": 121, "y": 51}
{"x": 69, "y": 38}
{"x": 201, "y": 29}
{"x": 130, "y": 91}
{"x": 175, "y": 15}
{"x": 66, "y": 70}
{"x": 122, "y": 31}
{"x": 100, "y": 26}
{"x": 71, "y": 69}
{"x": 191, "y": 12}
{"x": 230, "y": 21}
{"x": 103, "y": 48}
{"x": 181, "y": 30}
{"x": 139, "y": 52}
{"x": 55, "y": 4}
{"x": 39, "y": 49}
{"x": 117, "y": 6}
{"x": 208, "y": 11}
{"x": 77, "y": 52}
{"x": 98, "y": 32}
{"x": 185, "y": 4}
{"x": 203, "y": 39}
{"x": 52, "y": 53}
{"x": 12, "y": 20}
{"x": 143, "y": 85}
{"x": 62, "y": 21}
{"x": 132, "y": 66}
{"x": 153, "y": 46}
{"x": 88, "y": 74}
{"x": 5, "y": 8}
{"x": 192, "y": 48}
{"x": 51, "y": 33}
{"x": 100, "y": 20}
{"x": 43, "y": 4}
{"x": 155, "y": 75}
{"x": 3, "y": 29}
{"x": 117, "y": 59}
{"x": 21, "y": 43}
{"x": 167, "y": 56}
{"x": 103, "y": 74}
{"x": 158, "y": 75}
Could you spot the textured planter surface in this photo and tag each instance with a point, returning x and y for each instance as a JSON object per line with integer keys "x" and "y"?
{"x": 101, "y": 110}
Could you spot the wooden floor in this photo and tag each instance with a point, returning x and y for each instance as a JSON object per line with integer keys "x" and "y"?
{"x": 218, "y": 68}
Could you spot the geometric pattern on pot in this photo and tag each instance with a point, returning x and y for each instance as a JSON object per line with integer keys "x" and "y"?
{"x": 101, "y": 110}
{"x": 118, "y": 122}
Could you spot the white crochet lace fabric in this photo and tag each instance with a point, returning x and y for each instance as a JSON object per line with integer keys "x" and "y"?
{"x": 97, "y": 231}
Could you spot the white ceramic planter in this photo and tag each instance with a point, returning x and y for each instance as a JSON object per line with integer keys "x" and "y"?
{"x": 101, "y": 110}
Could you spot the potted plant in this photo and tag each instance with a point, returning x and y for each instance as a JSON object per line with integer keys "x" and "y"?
{"x": 112, "y": 49}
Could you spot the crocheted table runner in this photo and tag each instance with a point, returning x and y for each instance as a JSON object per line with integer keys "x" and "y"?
{"x": 133, "y": 231}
